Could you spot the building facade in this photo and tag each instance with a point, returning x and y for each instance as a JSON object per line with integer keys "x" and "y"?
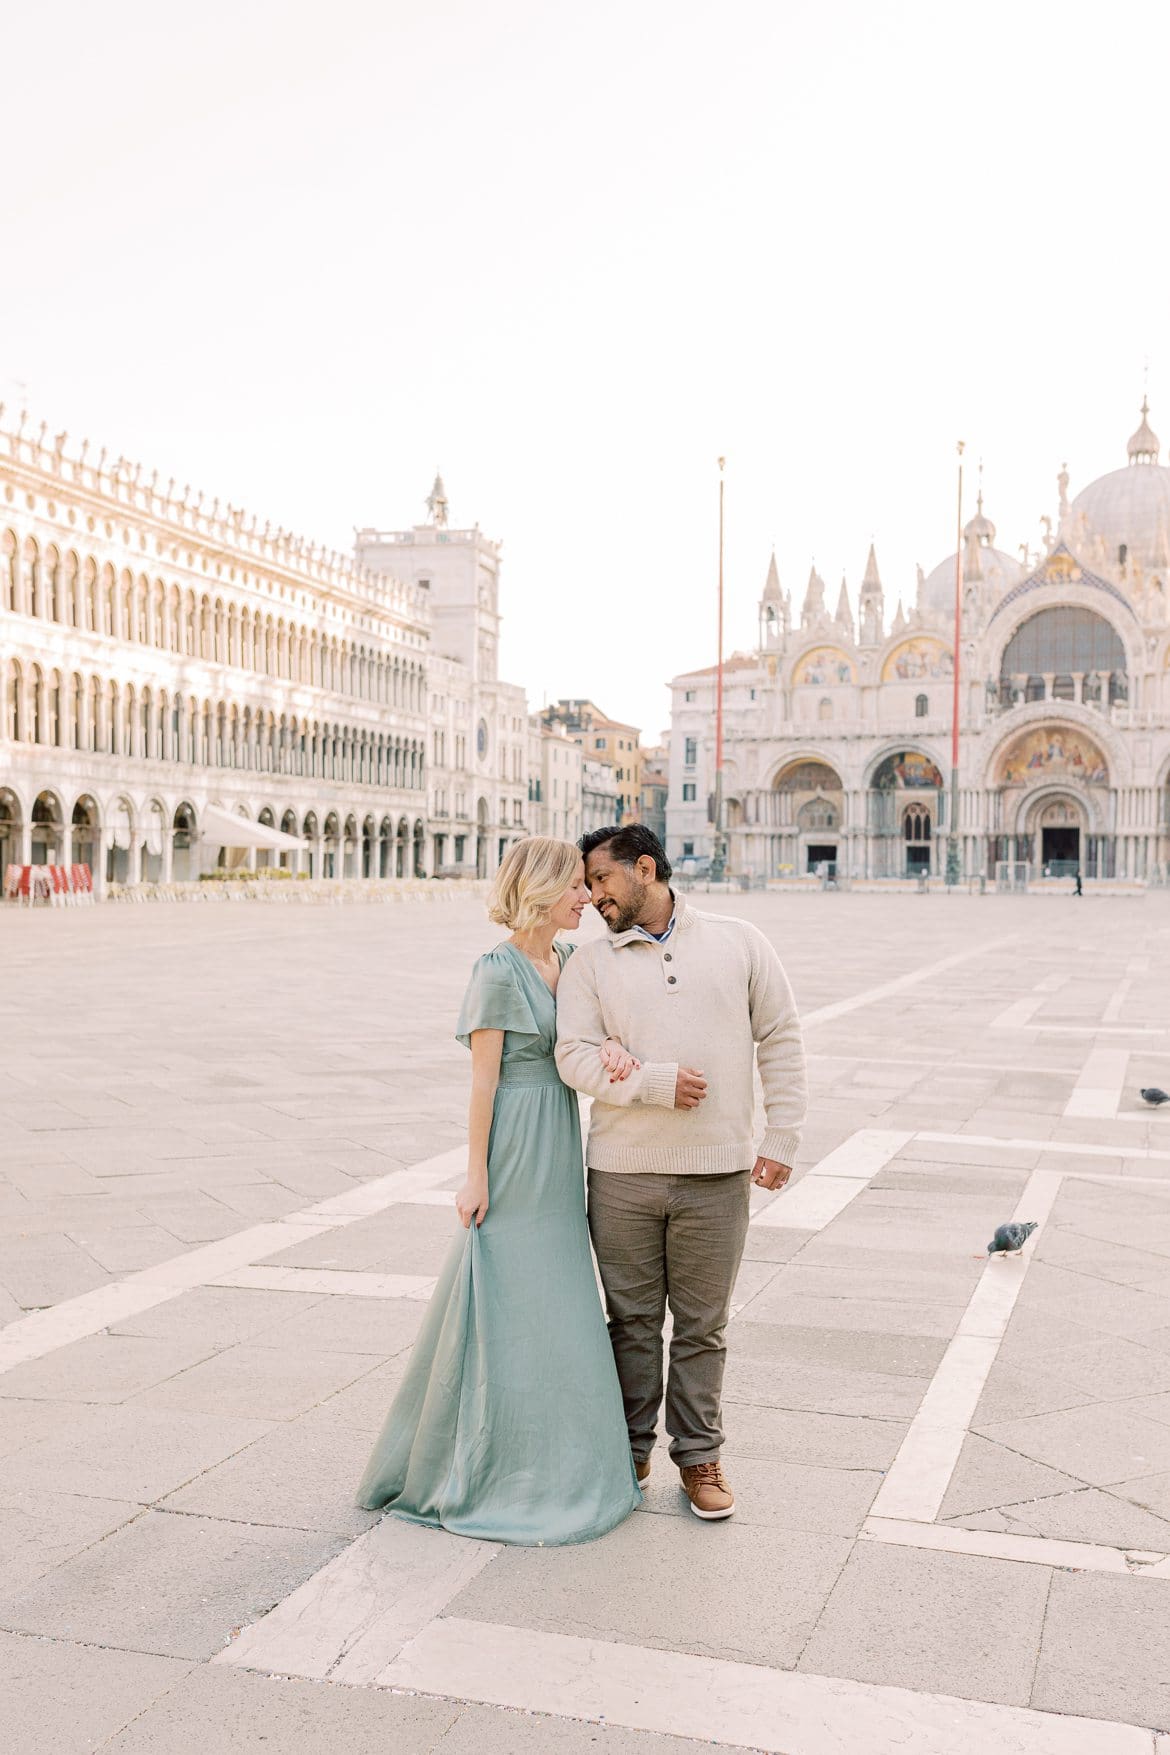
{"x": 600, "y": 801}
{"x": 160, "y": 656}
{"x": 554, "y": 782}
{"x": 655, "y": 789}
{"x": 605, "y": 740}
{"x": 838, "y": 731}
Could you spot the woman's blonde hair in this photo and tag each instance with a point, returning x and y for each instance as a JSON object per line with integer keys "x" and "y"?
{"x": 533, "y": 878}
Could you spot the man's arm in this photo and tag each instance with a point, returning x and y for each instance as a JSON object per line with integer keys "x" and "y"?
{"x": 779, "y": 1051}
{"x": 580, "y": 1033}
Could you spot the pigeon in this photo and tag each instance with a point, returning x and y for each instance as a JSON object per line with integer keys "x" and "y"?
{"x": 1009, "y": 1239}
{"x": 1154, "y": 1096}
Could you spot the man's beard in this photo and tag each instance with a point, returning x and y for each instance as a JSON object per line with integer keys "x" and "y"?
{"x": 627, "y": 914}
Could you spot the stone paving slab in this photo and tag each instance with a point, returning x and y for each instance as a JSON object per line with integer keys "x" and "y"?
{"x": 70, "y": 1699}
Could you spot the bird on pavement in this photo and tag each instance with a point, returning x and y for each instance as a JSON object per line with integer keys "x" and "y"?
{"x": 1152, "y": 1095}
{"x": 1011, "y": 1238}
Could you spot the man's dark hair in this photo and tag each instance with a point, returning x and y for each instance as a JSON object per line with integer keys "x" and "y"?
{"x": 627, "y": 845}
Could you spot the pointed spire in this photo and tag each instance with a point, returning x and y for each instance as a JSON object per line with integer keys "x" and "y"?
{"x": 872, "y": 577}
{"x": 814, "y": 598}
{"x": 899, "y": 619}
{"x": 844, "y": 615}
{"x": 772, "y": 582}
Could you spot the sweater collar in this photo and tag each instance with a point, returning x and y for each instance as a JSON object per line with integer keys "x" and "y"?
{"x": 684, "y": 916}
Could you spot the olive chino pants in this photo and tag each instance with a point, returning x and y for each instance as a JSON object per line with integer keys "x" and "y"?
{"x": 674, "y": 1241}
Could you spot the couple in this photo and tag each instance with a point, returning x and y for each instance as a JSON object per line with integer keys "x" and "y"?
{"x": 509, "y": 1423}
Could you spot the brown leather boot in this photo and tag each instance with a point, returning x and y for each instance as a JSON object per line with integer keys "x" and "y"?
{"x": 642, "y": 1469}
{"x": 708, "y": 1489}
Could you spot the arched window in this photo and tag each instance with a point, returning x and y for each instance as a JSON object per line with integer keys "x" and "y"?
{"x": 825, "y": 710}
{"x": 921, "y": 706}
{"x": 1063, "y": 643}
{"x": 12, "y": 684}
{"x": 32, "y": 577}
{"x": 8, "y": 571}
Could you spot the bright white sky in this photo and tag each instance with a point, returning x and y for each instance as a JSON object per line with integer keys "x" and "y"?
{"x": 298, "y": 255}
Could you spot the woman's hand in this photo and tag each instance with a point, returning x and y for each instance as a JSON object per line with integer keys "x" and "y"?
{"x": 620, "y": 1062}
{"x": 472, "y": 1201}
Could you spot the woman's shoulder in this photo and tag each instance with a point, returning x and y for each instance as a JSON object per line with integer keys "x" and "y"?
{"x": 564, "y": 951}
{"x": 498, "y": 963}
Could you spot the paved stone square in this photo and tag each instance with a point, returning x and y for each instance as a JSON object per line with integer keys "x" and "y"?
{"x": 228, "y": 1140}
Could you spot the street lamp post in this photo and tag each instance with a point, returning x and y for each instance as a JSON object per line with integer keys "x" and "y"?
{"x": 954, "y": 859}
{"x": 718, "y": 838}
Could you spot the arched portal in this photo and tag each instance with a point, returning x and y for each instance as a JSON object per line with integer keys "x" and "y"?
{"x": 47, "y": 823}
{"x": 349, "y": 862}
{"x": 264, "y": 854}
{"x": 401, "y": 848}
{"x": 810, "y": 813}
{"x": 369, "y": 848}
{"x": 85, "y": 833}
{"x": 420, "y": 859}
{"x": 1059, "y": 770}
{"x": 902, "y": 812}
{"x": 288, "y": 826}
{"x": 119, "y": 839}
{"x": 184, "y": 845}
{"x": 385, "y": 848}
{"x": 11, "y": 826}
{"x": 154, "y": 829}
{"x": 332, "y": 845}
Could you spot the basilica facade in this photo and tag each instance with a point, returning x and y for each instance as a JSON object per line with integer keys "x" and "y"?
{"x": 179, "y": 683}
{"x": 837, "y": 744}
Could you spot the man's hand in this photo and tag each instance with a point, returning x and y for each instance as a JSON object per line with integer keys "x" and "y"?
{"x": 690, "y": 1087}
{"x": 767, "y": 1173}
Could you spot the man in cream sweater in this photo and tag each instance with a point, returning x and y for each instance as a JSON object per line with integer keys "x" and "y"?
{"x": 701, "y": 999}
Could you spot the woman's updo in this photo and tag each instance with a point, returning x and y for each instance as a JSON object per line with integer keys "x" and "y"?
{"x": 533, "y": 877}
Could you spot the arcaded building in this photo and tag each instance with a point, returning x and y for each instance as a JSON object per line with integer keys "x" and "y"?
{"x": 838, "y": 728}
{"x": 168, "y": 664}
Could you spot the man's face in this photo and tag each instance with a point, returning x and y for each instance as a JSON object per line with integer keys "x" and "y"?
{"x": 615, "y": 890}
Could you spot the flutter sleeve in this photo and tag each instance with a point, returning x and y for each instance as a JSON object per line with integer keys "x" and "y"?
{"x": 494, "y": 1001}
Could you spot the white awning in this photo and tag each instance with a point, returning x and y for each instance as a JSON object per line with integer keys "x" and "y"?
{"x": 119, "y": 826}
{"x": 223, "y": 829}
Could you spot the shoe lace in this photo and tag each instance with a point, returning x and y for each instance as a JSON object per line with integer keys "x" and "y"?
{"x": 709, "y": 1472}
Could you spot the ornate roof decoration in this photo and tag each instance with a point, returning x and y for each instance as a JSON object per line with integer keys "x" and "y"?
{"x": 437, "y": 503}
{"x": 772, "y": 582}
{"x": 1143, "y": 446}
{"x": 1061, "y": 567}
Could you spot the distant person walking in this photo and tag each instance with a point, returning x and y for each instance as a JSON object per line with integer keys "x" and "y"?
{"x": 1079, "y": 891}
{"x": 700, "y": 999}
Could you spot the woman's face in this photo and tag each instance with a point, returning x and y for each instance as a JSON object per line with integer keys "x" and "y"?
{"x": 565, "y": 913}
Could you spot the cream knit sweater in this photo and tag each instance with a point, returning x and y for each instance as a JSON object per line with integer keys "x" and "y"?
{"x": 714, "y": 991}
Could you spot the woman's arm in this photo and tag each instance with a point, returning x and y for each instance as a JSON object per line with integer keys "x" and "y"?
{"x": 486, "y": 1048}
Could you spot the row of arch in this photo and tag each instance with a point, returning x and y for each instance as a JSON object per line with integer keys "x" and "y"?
{"x": 167, "y": 842}
{"x": 77, "y": 593}
{"x": 90, "y": 713}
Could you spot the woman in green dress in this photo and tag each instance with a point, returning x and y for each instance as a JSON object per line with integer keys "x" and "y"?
{"x": 509, "y": 1423}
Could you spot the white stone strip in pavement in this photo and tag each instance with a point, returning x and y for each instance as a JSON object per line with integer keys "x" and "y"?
{"x": 840, "y": 1007}
{"x": 338, "y": 1282}
{"x": 1019, "y": 1014}
{"x": 1097, "y": 1092}
{"x": 916, "y": 1482}
{"x": 351, "y": 1619}
{"x": 43, "y": 1331}
{"x": 1077, "y": 1148}
{"x": 716, "y": 1700}
{"x": 826, "y": 1189}
{"x": 998, "y": 1545}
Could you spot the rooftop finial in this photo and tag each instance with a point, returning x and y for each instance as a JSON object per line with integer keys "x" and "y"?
{"x": 437, "y": 503}
{"x": 1143, "y": 446}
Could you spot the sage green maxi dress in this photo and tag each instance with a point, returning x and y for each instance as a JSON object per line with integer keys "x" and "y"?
{"x": 509, "y": 1423}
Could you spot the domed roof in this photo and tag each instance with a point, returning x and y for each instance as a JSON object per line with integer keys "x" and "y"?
{"x": 936, "y": 594}
{"x": 1123, "y": 518}
{"x": 979, "y": 529}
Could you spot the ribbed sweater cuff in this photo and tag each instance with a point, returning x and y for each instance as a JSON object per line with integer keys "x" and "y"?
{"x": 780, "y": 1144}
{"x": 659, "y": 1079}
